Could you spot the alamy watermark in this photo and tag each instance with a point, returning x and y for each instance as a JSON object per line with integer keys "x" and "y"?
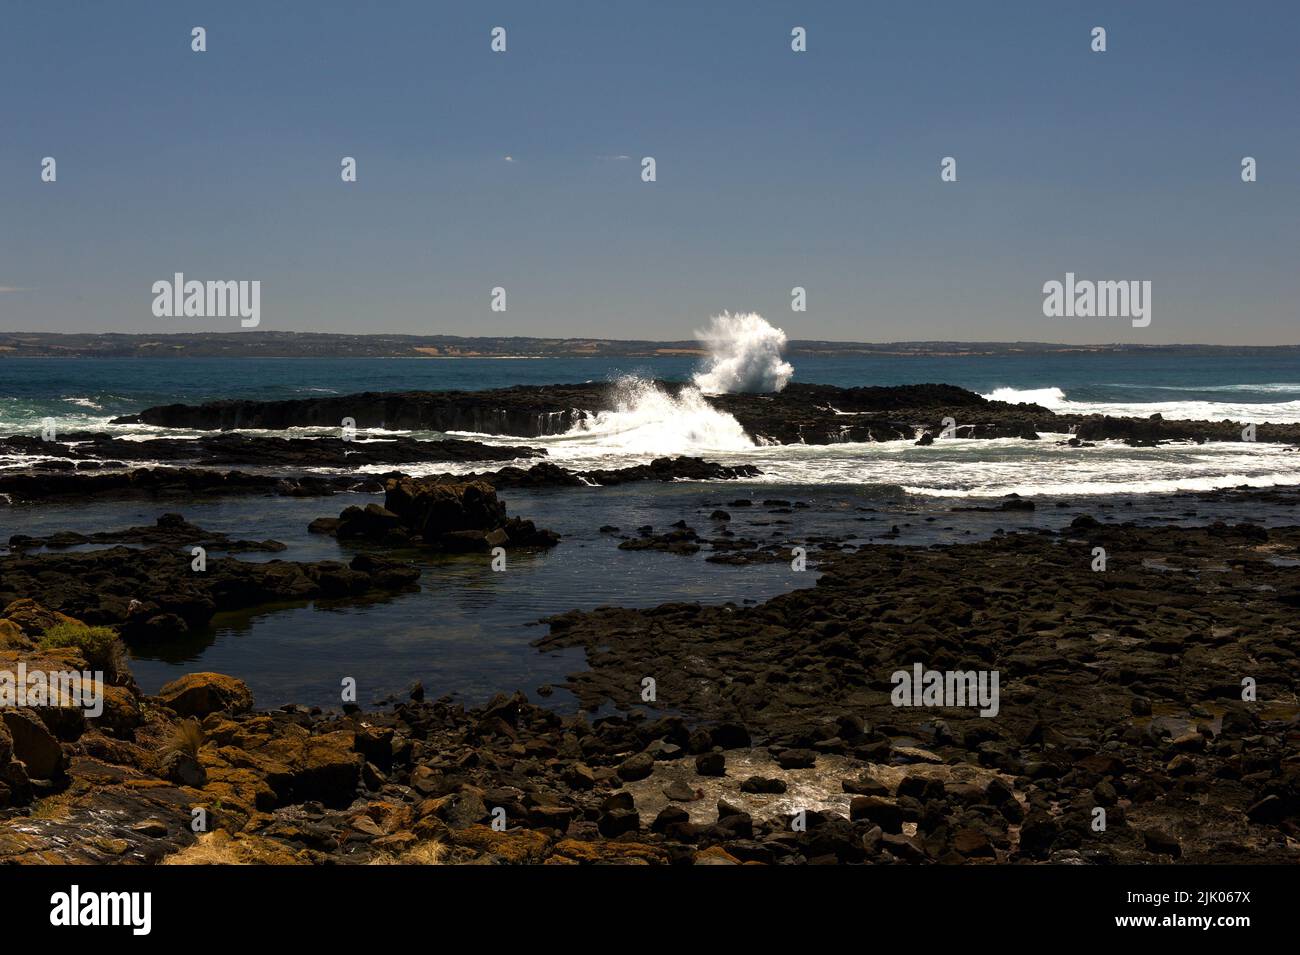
{"x": 75, "y": 907}
{"x": 1084, "y": 298}
{"x": 39, "y": 688}
{"x": 922, "y": 687}
{"x": 222, "y": 299}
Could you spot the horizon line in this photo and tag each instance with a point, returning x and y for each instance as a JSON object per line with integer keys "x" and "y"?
{"x": 248, "y": 333}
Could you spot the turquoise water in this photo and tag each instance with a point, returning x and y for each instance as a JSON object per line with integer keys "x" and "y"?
{"x": 90, "y": 390}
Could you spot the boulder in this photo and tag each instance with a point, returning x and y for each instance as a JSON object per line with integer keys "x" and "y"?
{"x": 32, "y": 618}
{"x": 12, "y": 637}
{"x": 299, "y": 766}
{"x": 636, "y": 767}
{"x": 431, "y": 509}
{"x": 34, "y": 744}
{"x": 711, "y": 764}
{"x": 884, "y": 813}
{"x": 371, "y": 522}
{"x": 198, "y": 694}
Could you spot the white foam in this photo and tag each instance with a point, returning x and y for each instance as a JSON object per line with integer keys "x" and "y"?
{"x": 1265, "y": 388}
{"x": 744, "y": 355}
{"x": 646, "y": 420}
{"x": 90, "y": 403}
{"x": 1047, "y": 397}
{"x": 1054, "y": 399}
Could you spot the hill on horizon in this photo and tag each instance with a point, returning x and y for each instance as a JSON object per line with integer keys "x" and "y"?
{"x": 272, "y": 344}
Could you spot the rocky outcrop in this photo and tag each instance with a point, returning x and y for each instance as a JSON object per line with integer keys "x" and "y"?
{"x": 169, "y": 483}
{"x": 812, "y": 414}
{"x": 261, "y": 450}
{"x": 32, "y": 743}
{"x": 101, "y": 789}
{"x": 202, "y": 694}
{"x": 180, "y": 483}
{"x": 1155, "y": 429}
{"x": 460, "y": 516}
{"x": 799, "y": 414}
{"x": 546, "y": 474}
{"x": 169, "y": 530}
{"x": 155, "y": 592}
{"x": 527, "y": 411}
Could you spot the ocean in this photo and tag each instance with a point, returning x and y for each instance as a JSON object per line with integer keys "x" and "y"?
{"x": 467, "y": 632}
{"x": 83, "y": 394}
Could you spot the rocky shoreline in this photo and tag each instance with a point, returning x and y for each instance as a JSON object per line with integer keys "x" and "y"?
{"x": 75, "y": 450}
{"x": 179, "y": 484}
{"x": 186, "y": 483}
{"x": 1146, "y": 706}
{"x": 770, "y": 735}
{"x": 96, "y": 464}
{"x": 156, "y": 592}
{"x": 1120, "y": 689}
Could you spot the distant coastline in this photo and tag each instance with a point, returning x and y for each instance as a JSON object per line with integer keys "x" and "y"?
{"x": 329, "y": 345}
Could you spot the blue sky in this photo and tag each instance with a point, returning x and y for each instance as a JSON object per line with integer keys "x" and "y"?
{"x": 775, "y": 169}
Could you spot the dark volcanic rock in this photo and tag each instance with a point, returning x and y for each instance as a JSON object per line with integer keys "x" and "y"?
{"x": 1083, "y": 659}
{"x": 682, "y": 540}
{"x": 170, "y": 530}
{"x": 179, "y": 483}
{"x": 153, "y": 592}
{"x": 429, "y": 508}
{"x": 265, "y": 451}
{"x": 801, "y": 413}
{"x": 546, "y": 474}
{"x": 804, "y": 676}
{"x": 1144, "y": 432}
{"x": 528, "y": 411}
{"x": 428, "y": 512}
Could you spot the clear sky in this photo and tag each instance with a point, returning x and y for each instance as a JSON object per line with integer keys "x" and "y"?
{"x": 775, "y": 168}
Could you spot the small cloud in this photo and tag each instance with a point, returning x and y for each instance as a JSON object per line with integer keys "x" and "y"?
{"x": 614, "y": 158}
{"x": 14, "y": 288}
{"x": 509, "y": 158}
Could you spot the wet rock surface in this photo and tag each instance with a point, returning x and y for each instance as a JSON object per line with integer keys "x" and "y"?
{"x": 525, "y": 410}
{"x": 169, "y": 530}
{"x": 93, "y": 479}
{"x": 1084, "y": 658}
{"x": 428, "y": 512}
{"x": 263, "y": 451}
{"x": 771, "y": 737}
{"x": 172, "y": 483}
{"x": 546, "y": 474}
{"x": 155, "y": 592}
{"x": 1120, "y": 691}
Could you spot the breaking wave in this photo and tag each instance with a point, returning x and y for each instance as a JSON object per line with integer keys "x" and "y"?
{"x": 1051, "y": 398}
{"x": 646, "y": 419}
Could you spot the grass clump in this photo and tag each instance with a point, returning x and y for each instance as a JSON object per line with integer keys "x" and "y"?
{"x": 101, "y": 646}
{"x": 220, "y": 848}
{"x": 187, "y": 737}
{"x": 431, "y": 852}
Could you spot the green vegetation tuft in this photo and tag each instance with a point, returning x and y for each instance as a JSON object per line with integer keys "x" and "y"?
{"x": 101, "y": 646}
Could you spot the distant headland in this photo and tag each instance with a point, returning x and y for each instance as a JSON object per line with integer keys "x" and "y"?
{"x": 269, "y": 344}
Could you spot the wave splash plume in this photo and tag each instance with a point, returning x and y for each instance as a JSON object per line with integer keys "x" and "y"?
{"x": 744, "y": 355}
